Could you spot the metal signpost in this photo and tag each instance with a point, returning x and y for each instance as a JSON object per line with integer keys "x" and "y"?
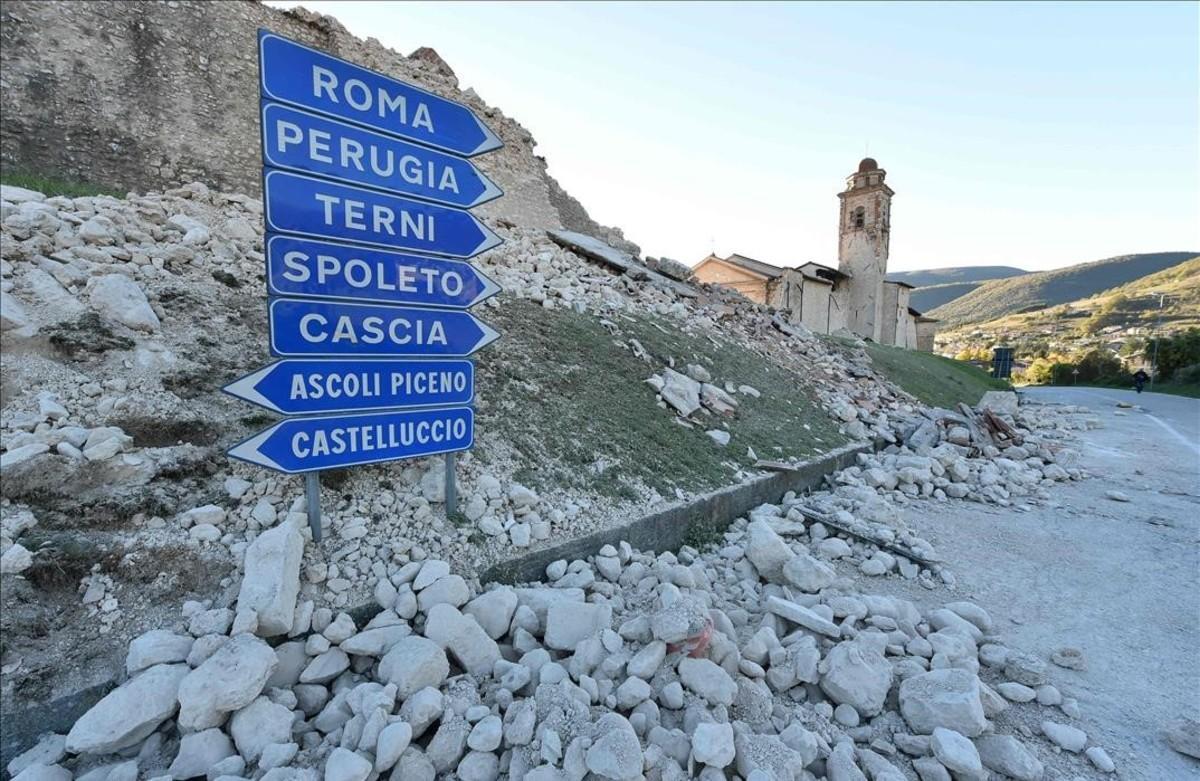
{"x": 365, "y": 190}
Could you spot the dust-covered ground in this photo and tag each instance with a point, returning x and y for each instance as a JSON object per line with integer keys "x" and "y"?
{"x": 1120, "y": 581}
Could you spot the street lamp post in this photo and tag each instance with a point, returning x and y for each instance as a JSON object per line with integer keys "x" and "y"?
{"x": 1157, "y": 338}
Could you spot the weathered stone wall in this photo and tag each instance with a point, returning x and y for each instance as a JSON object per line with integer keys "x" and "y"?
{"x": 149, "y": 95}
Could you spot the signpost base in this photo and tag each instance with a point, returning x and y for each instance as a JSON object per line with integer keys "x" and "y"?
{"x": 451, "y": 488}
{"x": 312, "y": 493}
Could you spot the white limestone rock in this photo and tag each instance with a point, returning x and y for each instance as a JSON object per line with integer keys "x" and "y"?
{"x": 119, "y": 298}
{"x": 345, "y": 765}
{"x": 569, "y": 623}
{"x": 494, "y": 610}
{"x": 808, "y": 574}
{"x": 227, "y": 681}
{"x": 943, "y": 698}
{"x": 708, "y": 680}
{"x": 712, "y": 744}
{"x": 16, "y": 559}
{"x": 47, "y": 751}
{"x": 258, "y": 725}
{"x": 199, "y": 751}
{"x": 128, "y": 714}
{"x": 414, "y": 663}
{"x": 271, "y": 583}
{"x": 158, "y": 646}
{"x": 615, "y": 752}
{"x": 857, "y": 675}
{"x": 463, "y": 637}
{"x": 1007, "y": 755}
{"x": 1065, "y": 736}
{"x": 957, "y": 753}
{"x": 767, "y": 551}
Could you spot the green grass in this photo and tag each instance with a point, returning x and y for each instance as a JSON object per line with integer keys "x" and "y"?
{"x": 50, "y": 186}
{"x": 937, "y": 381}
{"x": 570, "y": 401}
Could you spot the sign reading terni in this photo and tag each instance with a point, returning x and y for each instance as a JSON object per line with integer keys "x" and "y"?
{"x": 313, "y": 443}
{"x": 299, "y": 387}
{"x": 293, "y": 73}
{"x": 305, "y": 268}
{"x": 306, "y": 205}
{"x": 333, "y": 329}
{"x": 302, "y": 141}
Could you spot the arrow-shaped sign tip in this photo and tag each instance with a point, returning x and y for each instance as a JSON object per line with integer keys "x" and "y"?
{"x": 248, "y": 449}
{"x": 491, "y": 191}
{"x": 490, "y": 139}
{"x": 489, "y": 335}
{"x": 244, "y": 388}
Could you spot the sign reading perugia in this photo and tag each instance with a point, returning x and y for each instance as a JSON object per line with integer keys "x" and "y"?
{"x": 366, "y": 188}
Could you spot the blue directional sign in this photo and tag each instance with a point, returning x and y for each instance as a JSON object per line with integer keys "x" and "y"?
{"x": 305, "y": 268}
{"x": 302, "y": 141}
{"x": 333, "y": 329}
{"x": 293, "y": 73}
{"x": 305, "y": 387}
{"x": 313, "y": 443}
{"x": 306, "y": 205}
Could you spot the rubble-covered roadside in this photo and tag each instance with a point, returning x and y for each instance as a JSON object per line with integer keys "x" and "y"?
{"x": 121, "y": 319}
{"x": 750, "y": 659}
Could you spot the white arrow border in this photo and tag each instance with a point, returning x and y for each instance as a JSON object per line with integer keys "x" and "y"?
{"x": 490, "y": 142}
{"x": 247, "y": 450}
{"x": 489, "y": 240}
{"x": 489, "y": 334}
{"x": 491, "y": 190}
{"x": 243, "y": 388}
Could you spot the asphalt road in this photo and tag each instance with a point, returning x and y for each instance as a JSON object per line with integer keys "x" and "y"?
{"x": 1177, "y": 416}
{"x": 1118, "y": 580}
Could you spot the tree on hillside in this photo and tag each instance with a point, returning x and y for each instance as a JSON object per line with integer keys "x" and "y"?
{"x": 1174, "y": 352}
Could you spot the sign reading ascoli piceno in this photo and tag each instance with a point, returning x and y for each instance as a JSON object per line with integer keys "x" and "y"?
{"x": 313, "y": 443}
{"x": 305, "y": 387}
{"x": 306, "y": 268}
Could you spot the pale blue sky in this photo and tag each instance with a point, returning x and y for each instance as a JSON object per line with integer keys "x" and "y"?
{"x": 1028, "y": 134}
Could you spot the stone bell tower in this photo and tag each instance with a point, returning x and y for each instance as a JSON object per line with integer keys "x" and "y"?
{"x": 863, "y": 236}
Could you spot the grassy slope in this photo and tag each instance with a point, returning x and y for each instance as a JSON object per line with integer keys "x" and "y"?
{"x": 935, "y": 380}
{"x": 569, "y": 396}
{"x": 1181, "y": 283}
{"x": 51, "y": 187}
{"x": 923, "y": 299}
{"x": 955, "y": 274}
{"x": 1049, "y": 288}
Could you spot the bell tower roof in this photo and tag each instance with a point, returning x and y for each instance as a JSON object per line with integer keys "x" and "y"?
{"x": 867, "y": 164}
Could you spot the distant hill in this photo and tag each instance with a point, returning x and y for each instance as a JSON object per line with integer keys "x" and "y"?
{"x": 930, "y": 297}
{"x": 955, "y": 274}
{"x": 1042, "y": 289}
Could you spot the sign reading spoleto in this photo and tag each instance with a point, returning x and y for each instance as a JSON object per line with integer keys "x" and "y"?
{"x": 365, "y": 198}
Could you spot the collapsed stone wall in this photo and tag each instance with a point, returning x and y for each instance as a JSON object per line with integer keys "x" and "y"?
{"x": 150, "y": 95}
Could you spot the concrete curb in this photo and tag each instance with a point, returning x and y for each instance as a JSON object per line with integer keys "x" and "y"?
{"x": 669, "y": 529}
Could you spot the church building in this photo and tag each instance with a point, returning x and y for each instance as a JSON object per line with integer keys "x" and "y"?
{"x": 855, "y": 296}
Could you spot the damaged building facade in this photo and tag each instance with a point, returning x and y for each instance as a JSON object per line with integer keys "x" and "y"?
{"x": 855, "y": 296}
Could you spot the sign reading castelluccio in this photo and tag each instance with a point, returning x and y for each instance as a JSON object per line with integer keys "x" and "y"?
{"x": 366, "y": 188}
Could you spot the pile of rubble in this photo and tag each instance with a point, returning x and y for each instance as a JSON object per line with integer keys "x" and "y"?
{"x": 943, "y": 454}
{"x": 119, "y": 315}
{"x": 752, "y": 659}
